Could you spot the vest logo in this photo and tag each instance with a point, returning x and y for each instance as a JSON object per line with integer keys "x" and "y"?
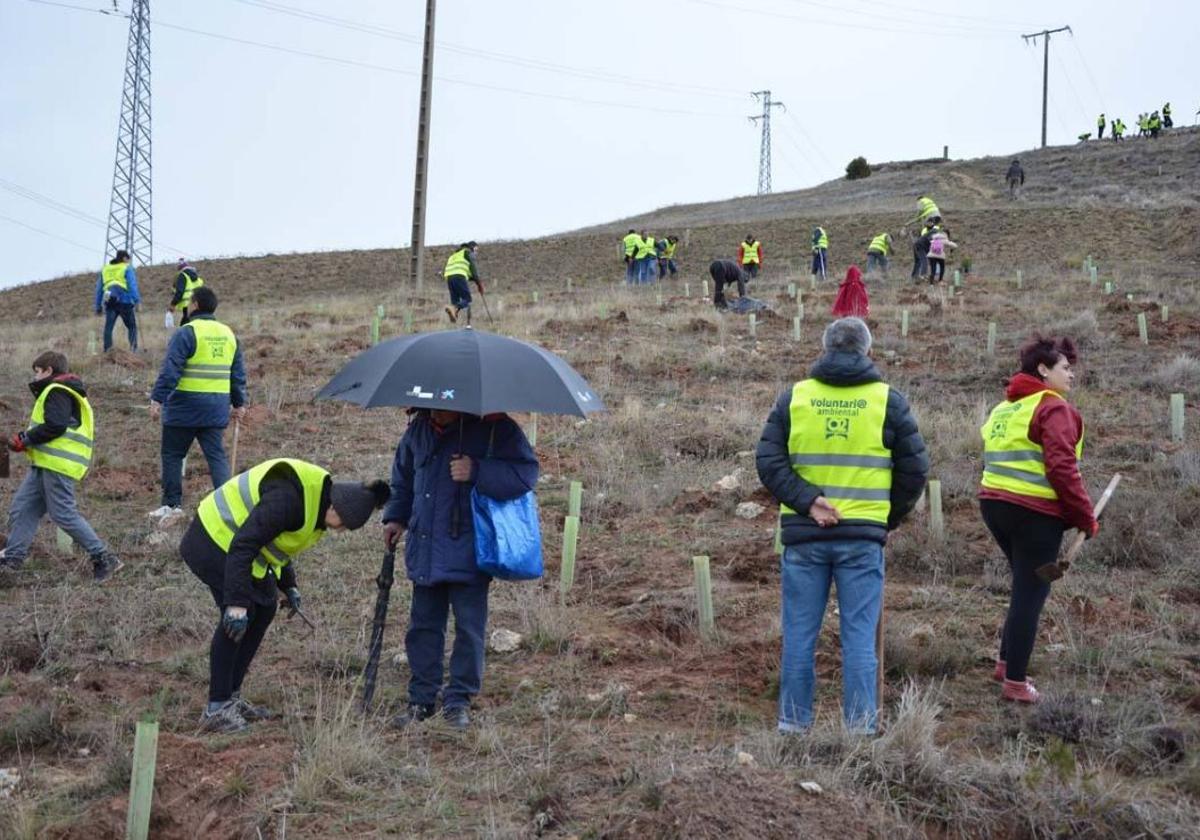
{"x": 418, "y": 393}
{"x": 837, "y": 427}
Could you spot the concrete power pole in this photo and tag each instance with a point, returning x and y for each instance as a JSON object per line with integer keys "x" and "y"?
{"x": 764, "y": 151}
{"x": 417, "y": 256}
{"x": 130, "y": 209}
{"x": 1045, "y": 35}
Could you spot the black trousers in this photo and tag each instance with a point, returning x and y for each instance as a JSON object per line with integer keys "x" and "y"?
{"x": 1029, "y": 540}
{"x": 937, "y": 269}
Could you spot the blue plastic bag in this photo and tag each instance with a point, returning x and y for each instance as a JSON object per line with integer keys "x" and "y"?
{"x": 508, "y": 536}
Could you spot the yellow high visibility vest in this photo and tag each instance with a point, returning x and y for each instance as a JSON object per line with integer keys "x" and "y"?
{"x": 822, "y": 240}
{"x": 458, "y": 264}
{"x": 223, "y": 511}
{"x": 631, "y": 242}
{"x": 880, "y": 244}
{"x": 927, "y": 208}
{"x": 189, "y": 286}
{"x": 207, "y": 369}
{"x": 71, "y": 452}
{"x": 836, "y": 443}
{"x": 669, "y": 251}
{"x": 750, "y": 253}
{"x": 645, "y": 247}
{"x": 113, "y": 274}
{"x": 1011, "y": 461}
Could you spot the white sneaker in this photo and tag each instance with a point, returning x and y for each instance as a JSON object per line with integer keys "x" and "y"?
{"x": 165, "y": 511}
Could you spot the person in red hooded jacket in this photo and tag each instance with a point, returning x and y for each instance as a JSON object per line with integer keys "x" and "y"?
{"x": 852, "y": 296}
{"x": 1032, "y": 492}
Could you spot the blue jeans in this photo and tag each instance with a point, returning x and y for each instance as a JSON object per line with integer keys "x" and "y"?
{"x": 820, "y": 263}
{"x": 876, "y": 260}
{"x": 425, "y": 642}
{"x": 127, "y": 312}
{"x": 665, "y": 265}
{"x": 808, "y": 569}
{"x": 47, "y": 492}
{"x": 176, "y": 441}
{"x": 631, "y": 271}
{"x": 646, "y": 269}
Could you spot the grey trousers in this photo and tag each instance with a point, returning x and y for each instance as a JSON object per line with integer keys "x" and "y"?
{"x": 46, "y": 492}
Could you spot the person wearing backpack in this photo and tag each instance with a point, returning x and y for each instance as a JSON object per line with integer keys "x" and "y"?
{"x": 440, "y": 458}
{"x": 939, "y": 241}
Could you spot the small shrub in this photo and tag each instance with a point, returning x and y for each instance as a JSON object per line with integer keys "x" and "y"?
{"x": 858, "y": 168}
{"x": 31, "y": 726}
{"x": 1180, "y": 375}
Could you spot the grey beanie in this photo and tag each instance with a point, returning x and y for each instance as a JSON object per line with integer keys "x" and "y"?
{"x": 355, "y": 502}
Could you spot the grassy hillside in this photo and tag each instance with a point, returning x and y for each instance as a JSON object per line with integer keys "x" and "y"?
{"x": 614, "y": 718}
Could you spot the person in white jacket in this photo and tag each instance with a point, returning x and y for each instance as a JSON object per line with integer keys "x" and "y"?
{"x": 939, "y": 241}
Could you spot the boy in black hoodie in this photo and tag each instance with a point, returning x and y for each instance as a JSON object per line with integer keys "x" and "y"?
{"x": 59, "y": 444}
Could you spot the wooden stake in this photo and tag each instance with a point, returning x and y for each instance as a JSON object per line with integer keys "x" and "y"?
{"x": 1053, "y": 571}
{"x": 237, "y": 428}
{"x": 1177, "y": 418}
{"x": 575, "y": 498}
{"x": 141, "y": 781}
{"x": 704, "y": 603}
{"x": 1142, "y": 333}
{"x": 879, "y": 667}
{"x": 566, "y": 577}
{"x": 937, "y": 525}
{"x": 991, "y": 338}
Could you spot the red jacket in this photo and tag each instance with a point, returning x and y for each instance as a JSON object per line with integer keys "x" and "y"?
{"x": 1056, "y": 427}
{"x": 742, "y": 253}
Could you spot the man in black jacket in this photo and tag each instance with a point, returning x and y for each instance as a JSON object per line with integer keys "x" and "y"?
{"x": 297, "y": 504}
{"x": 842, "y": 454}
{"x": 726, "y": 273}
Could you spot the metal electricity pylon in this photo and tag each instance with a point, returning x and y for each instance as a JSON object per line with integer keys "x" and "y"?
{"x": 130, "y": 216}
{"x": 764, "y": 152}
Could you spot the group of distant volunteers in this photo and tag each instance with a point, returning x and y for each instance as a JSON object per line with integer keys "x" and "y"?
{"x": 841, "y": 452}
{"x": 1148, "y": 124}
{"x": 648, "y": 259}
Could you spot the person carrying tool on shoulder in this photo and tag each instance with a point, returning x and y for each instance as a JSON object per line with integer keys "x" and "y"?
{"x": 201, "y": 383}
{"x": 241, "y": 545}
{"x": 460, "y": 268}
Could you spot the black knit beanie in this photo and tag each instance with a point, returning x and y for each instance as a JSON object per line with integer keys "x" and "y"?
{"x": 356, "y": 502}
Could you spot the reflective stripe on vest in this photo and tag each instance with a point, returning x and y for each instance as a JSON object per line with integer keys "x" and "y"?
{"x": 822, "y": 240}
{"x": 836, "y": 443}
{"x": 631, "y": 242}
{"x": 207, "y": 369}
{"x": 750, "y": 253}
{"x": 189, "y": 285}
{"x": 113, "y": 274}
{"x": 71, "y": 452}
{"x": 223, "y": 511}
{"x": 879, "y": 244}
{"x": 458, "y": 265}
{"x": 1011, "y": 461}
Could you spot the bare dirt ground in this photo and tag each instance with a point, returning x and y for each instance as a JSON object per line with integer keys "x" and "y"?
{"x": 614, "y": 719}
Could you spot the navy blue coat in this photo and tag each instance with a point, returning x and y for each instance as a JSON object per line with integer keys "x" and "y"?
{"x": 424, "y": 496}
{"x": 189, "y": 409}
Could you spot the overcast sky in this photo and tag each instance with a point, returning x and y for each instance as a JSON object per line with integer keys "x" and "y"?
{"x": 547, "y": 115}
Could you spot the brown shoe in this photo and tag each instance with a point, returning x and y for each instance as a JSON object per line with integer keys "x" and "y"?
{"x": 452, "y": 314}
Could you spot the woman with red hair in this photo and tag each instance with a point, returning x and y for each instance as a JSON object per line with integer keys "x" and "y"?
{"x": 1031, "y": 492}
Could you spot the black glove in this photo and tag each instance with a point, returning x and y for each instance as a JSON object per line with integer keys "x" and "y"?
{"x": 233, "y": 627}
{"x": 293, "y": 600}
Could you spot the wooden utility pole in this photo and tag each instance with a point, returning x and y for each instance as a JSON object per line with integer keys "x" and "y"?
{"x": 1045, "y": 35}
{"x": 417, "y": 256}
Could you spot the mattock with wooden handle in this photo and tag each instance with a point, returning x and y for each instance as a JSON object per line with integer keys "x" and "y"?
{"x": 1053, "y": 571}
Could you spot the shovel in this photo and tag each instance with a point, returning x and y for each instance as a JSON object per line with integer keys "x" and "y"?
{"x": 1053, "y": 571}
{"x": 4, "y": 473}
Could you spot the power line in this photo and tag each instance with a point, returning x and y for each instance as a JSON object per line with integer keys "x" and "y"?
{"x": 489, "y": 55}
{"x": 925, "y": 31}
{"x": 91, "y": 249}
{"x": 1088, "y": 71}
{"x": 403, "y": 72}
{"x": 820, "y": 153}
{"x": 940, "y": 13}
{"x": 1074, "y": 93}
{"x": 921, "y": 19}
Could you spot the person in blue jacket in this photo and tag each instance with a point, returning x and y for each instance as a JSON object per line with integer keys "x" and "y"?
{"x": 441, "y": 457}
{"x": 118, "y": 297}
{"x": 201, "y": 378}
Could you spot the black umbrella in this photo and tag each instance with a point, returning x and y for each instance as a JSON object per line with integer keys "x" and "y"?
{"x": 455, "y": 370}
{"x": 463, "y": 370}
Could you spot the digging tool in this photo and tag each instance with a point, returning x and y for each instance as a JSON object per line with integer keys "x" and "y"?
{"x": 306, "y": 619}
{"x": 4, "y": 468}
{"x": 1053, "y": 571}
{"x": 879, "y": 654}
{"x": 487, "y": 310}
{"x": 237, "y": 427}
{"x": 384, "y": 582}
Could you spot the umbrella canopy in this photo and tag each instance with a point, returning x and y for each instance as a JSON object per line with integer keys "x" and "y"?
{"x": 463, "y": 370}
